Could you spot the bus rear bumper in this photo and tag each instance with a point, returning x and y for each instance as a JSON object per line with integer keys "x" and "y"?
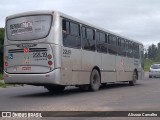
{"x": 52, "y": 77}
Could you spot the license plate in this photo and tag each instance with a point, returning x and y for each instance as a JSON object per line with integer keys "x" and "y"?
{"x": 26, "y": 68}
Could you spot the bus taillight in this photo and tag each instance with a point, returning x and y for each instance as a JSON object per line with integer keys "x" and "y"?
{"x": 49, "y": 56}
{"x": 26, "y": 50}
{"x": 6, "y": 64}
{"x": 50, "y": 63}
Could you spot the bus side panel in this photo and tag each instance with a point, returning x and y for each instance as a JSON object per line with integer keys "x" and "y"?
{"x": 122, "y": 75}
{"x": 141, "y": 70}
{"x": 76, "y": 65}
{"x": 56, "y": 55}
{"x": 71, "y": 65}
{"x": 137, "y": 64}
{"x": 89, "y": 61}
{"x": 108, "y": 68}
{"x": 129, "y": 67}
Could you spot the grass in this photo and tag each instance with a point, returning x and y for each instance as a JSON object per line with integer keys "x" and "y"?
{"x": 148, "y": 63}
{"x": 3, "y": 85}
{"x": 1, "y": 76}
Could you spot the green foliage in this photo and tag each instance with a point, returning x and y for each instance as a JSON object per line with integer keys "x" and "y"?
{"x": 1, "y": 76}
{"x": 1, "y": 36}
{"x": 1, "y": 48}
{"x": 148, "y": 63}
{"x": 3, "y": 85}
{"x": 152, "y": 56}
{"x": 152, "y": 51}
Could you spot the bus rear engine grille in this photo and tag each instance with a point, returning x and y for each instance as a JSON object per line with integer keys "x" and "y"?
{"x": 30, "y": 50}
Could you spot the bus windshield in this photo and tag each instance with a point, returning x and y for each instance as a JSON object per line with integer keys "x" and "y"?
{"x": 28, "y": 27}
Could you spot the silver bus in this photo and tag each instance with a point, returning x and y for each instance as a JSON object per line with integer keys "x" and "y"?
{"x": 54, "y": 50}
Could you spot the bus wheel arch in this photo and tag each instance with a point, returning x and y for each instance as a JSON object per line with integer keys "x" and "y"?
{"x": 99, "y": 71}
{"x": 134, "y": 78}
{"x": 95, "y": 79}
{"x": 136, "y": 71}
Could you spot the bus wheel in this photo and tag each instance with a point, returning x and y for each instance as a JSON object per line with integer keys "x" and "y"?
{"x": 133, "y": 82}
{"x": 94, "y": 80}
{"x": 55, "y": 89}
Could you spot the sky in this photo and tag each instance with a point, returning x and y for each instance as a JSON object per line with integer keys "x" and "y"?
{"x": 135, "y": 19}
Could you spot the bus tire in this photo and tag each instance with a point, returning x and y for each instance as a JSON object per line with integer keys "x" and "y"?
{"x": 134, "y": 77}
{"x": 55, "y": 89}
{"x": 94, "y": 80}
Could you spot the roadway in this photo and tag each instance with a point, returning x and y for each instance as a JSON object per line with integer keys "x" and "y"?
{"x": 145, "y": 96}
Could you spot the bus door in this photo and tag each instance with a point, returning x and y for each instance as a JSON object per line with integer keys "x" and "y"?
{"x": 109, "y": 60}
{"x": 71, "y": 58}
{"x": 121, "y": 63}
{"x": 109, "y": 68}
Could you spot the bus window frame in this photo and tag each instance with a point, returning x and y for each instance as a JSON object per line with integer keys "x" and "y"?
{"x": 68, "y": 32}
{"x": 51, "y": 24}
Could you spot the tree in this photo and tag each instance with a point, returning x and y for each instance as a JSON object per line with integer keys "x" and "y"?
{"x": 158, "y": 45}
{"x": 152, "y": 52}
{"x": 1, "y": 48}
{"x": 158, "y": 52}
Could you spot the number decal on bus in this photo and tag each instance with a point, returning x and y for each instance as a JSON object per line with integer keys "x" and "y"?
{"x": 39, "y": 54}
{"x": 66, "y": 52}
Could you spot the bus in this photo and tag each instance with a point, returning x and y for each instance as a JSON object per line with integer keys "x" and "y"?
{"x": 55, "y": 50}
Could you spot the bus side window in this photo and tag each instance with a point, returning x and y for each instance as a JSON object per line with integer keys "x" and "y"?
{"x": 112, "y": 44}
{"x": 88, "y": 38}
{"x": 127, "y": 48}
{"x": 74, "y": 29}
{"x": 138, "y": 53}
{"x": 103, "y": 42}
{"x": 71, "y": 34}
{"x": 119, "y": 46}
{"x": 123, "y": 52}
{"x": 136, "y": 50}
{"x": 65, "y": 26}
{"x": 98, "y": 43}
{"x": 130, "y": 49}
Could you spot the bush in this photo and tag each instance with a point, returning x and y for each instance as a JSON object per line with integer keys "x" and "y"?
{"x": 1, "y": 48}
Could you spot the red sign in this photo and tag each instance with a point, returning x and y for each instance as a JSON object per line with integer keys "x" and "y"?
{"x": 26, "y": 68}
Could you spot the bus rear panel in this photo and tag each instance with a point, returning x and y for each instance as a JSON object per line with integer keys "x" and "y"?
{"x": 30, "y": 56}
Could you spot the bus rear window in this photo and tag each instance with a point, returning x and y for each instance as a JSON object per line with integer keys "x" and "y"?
{"x": 28, "y": 27}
